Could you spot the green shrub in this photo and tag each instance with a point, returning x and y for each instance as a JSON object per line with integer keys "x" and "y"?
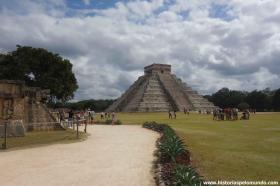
{"x": 172, "y": 146}
{"x": 243, "y": 106}
{"x": 108, "y": 121}
{"x": 118, "y": 122}
{"x": 185, "y": 175}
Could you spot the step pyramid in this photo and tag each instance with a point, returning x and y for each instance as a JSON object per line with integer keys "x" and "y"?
{"x": 159, "y": 91}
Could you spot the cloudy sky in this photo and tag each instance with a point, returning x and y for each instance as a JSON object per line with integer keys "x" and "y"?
{"x": 209, "y": 43}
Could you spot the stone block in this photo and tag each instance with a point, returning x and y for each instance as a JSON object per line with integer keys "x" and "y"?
{"x": 15, "y": 128}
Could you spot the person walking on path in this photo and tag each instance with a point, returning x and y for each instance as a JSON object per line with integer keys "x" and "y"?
{"x": 71, "y": 118}
{"x": 113, "y": 118}
{"x": 102, "y": 115}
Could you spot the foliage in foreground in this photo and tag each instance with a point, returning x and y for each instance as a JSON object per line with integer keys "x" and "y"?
{"x": 108, "y": 122}
{"x": 186, "y": 175}
{"x": 173, "y": 158}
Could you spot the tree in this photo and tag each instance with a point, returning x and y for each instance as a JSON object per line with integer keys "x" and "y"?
{"x": 276, "y": 100}
{"x": 264, "y": 100}
{"x": 227, "y": 98}
{"x": 96, "y": 105}
{"x": 38, "y": 67}
{"x": 219, "y": 98}
{"x": 235, "y": 98}
{"x": 256, "y": 99}
{"x": 243, "y": 106}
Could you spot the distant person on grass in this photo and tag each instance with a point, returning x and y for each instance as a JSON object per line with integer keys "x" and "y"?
{"x": 169, "y": 114}
{"x": 109, "y": 115}
{"x": 174, "y": 113}
{"x": 215, "y": 114}
{"x": 245, "y": 115}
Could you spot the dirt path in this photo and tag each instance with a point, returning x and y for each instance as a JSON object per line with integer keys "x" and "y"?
{"x": 112, "y": 155}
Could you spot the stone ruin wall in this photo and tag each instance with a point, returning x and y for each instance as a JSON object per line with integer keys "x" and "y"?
{"x": 25, "y": 104}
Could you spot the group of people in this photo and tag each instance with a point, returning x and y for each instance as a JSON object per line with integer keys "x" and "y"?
{"x": 172, "y": 115}
{"x": 225, "y": 114}
{"x": 108, "y": 115}
{"x": 204, "y": 111}
{"x": 229, "y": 114}
{"x": 83, "y": 116}
{"x": 86, "y": 116}
{"x": 186, "y": 111}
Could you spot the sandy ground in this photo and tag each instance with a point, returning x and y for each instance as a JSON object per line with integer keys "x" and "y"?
{"x": 112, "y": 155}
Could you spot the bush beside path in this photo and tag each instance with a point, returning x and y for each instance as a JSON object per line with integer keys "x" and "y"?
{"x": 112, "y": 155}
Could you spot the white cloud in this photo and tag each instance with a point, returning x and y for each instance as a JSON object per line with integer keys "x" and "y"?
{"x": 110, "y": 47}
{"x": 87, "y": 2}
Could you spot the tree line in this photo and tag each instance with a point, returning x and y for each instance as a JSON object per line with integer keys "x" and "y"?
{"x": 261, "y": 100}
{"x": 92, "y": 104}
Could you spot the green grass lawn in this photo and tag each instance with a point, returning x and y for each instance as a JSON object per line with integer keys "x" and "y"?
{"x": 226, "y": 150}
{"x": 38, "y": 138}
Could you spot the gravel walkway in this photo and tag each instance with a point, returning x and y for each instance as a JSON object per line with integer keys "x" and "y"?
{"x": 112, "y": 155}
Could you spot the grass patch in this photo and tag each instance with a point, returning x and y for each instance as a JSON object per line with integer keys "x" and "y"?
{"x": 38, "y": 138}
{"x": 226, "y": 150}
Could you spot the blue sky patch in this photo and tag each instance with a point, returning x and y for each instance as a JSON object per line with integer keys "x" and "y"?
{"x": 93, "y": 4}
{"x": 220, "y": 11}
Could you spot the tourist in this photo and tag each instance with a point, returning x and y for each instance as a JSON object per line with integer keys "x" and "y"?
{"x": 61, "y": 116}
{"x": 245, "y": 115}
{"x": 227, "y": 113}
{"x": 235, "y": 114}
{"x": 86, "y": 116}
{"x": 170, "y": 115}
{"x": 109, "y": 115}
{"x": 71, "y": 117}
{"x": 222, "y": 114}
{"x": 174, "y": 113}
{"x": 215, "y": 114}
{"x": 113, "y": 118}
{"x": 91, "y": 116}
{"x": 185, "y": 112}
{"x": 78, "y": 116}
{"x": 102, "y": 115}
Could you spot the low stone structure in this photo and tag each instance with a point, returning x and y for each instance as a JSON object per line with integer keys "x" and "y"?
{"x": 159, "y": 91}
{"x": 23, "y": 108}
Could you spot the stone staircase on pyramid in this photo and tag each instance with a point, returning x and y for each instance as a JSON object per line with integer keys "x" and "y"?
{"x": 159, "y": 91}
{"x": 154, "y": 98}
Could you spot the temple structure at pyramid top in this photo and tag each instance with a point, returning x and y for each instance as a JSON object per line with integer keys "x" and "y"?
{"x": 159, "y": 91}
